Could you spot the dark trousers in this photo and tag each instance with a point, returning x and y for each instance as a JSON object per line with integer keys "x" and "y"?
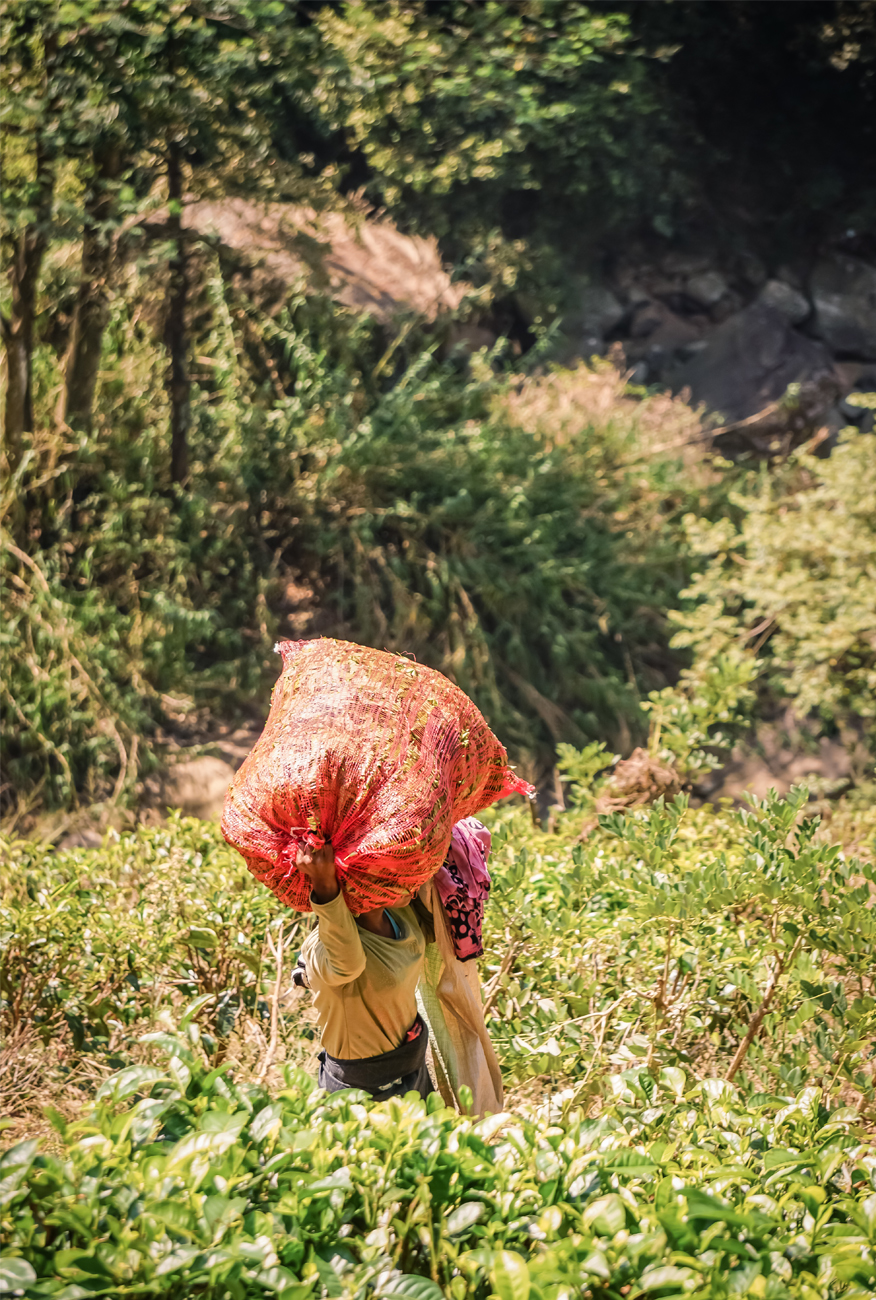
{"x": 391, "y": 1074}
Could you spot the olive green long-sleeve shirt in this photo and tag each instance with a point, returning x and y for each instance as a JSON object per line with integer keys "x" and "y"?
{"x": 364, "y": 986}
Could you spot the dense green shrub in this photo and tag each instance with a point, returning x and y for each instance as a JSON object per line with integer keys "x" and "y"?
{"x": 519, "y": 534}
{"x": 714, "y": 940}
{"x": 738, "y": 942}
{"x": 528, "y": 551}
{"x": 537, "y": 120}
{"x": 97, "y": 944}
{"x": 204, "y": 1187}
{"x": 790, "y": 577}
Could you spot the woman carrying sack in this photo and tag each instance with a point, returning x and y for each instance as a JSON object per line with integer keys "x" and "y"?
{"x": 363, "y": 972}
{"x": 396, "y": 984}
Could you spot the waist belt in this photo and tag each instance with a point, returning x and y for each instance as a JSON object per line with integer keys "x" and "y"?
{"x": 378, "y": 1074}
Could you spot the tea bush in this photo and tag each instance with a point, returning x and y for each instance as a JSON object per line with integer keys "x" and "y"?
{"x": 97, "y": 945}
{"x": 676, "y": 937}
{"x": 628, "y": 976}
{"x": 205, "y": 1187}
{"x": 789, "y": 580}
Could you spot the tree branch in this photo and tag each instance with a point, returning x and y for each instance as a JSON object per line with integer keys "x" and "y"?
{"x": 782, "y": 964}
{"x": 268, "y": 1060}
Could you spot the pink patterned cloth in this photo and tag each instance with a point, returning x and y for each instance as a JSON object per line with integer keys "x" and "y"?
{"x": 463, "y": 885}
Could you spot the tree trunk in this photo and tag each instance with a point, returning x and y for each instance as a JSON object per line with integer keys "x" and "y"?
{"x": 92, "y": 301}
{"x": 179, "y": 386}
{"x": 17, "y": 330}
{"x": 17, "y": 413}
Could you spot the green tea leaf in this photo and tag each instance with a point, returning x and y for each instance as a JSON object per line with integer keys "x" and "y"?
{"x": 414, "y": 1288}
{"x": 509, "y": 1276}
{"x": 136, "y": 1078}
{"x": 606, "y": 1216}
{"x": 655, "y": 1279}
{"x": 464, "y": 1216}
{"x": 15, "y": 1273}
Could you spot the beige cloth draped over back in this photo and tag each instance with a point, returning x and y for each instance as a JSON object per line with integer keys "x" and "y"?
{"x": 449, "y": 998}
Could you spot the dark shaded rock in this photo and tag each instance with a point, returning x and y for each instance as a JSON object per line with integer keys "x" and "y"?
{"x": 599, "y": 312}
{"x": 751, "y": 269}
{"x": 749, "y": 361}
{"x": 791, "y": 275}
{"x": 727, "y": 306}
{"x": 844, "y": 296}
{"x": 636, "y": 295}
{"x": 707, "y": 288}
{"x": 678, "y": 263}
{"x": 647, "y": 317}
{"x": 786, "y": 300}
{"x": 657, "y": 323}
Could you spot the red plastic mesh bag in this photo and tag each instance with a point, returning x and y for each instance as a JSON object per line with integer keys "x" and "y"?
{"x": 372, "y": 752}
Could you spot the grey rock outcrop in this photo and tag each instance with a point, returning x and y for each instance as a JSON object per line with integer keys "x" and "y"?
{"x": 599, "y": 312}
{"x": 749, "y": 361}
{"x": 684, "y": 262}
{"x": 844, "y": 297}
{"x": 751, "y": 269}
{"x": 659, "y": 339}
{"x": 784, "y": 299}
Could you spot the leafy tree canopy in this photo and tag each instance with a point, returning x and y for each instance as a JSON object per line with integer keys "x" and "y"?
{"x": 474, "y": 116}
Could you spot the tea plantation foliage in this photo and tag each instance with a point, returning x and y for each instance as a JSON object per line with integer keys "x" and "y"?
{"x": 683, "y": 1000}
{"x": 628, "y": 975}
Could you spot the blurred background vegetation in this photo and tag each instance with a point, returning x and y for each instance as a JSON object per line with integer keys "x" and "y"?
{"x": 199, "y": 459}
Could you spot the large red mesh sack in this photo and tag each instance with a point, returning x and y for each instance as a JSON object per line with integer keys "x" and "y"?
{"x": 372, "y": 752}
